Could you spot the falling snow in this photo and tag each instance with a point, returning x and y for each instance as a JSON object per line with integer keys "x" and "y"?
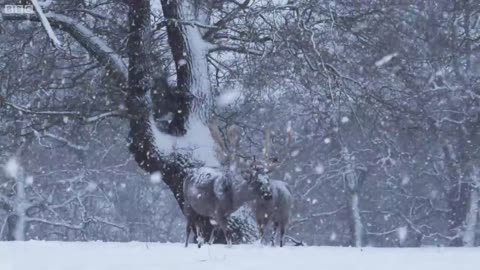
{"x": 91, "y": 186}
{"x": 29, "y": 180}
{"x": 345, "y": 119}
{"x": 228, "y": 98}
{"x": 12, "y": 168}
{"x": 156, "y": 178}
{"x": 405, "y": 179}
{"x": 319, "y": 169}
{"x": 385, "y": 59}
{"x": 402, "y": 233}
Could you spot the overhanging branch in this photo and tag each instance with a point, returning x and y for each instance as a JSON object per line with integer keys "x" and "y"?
{"x": 96, "y": 46}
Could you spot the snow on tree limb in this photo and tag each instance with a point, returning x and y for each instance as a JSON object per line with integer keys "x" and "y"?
{"x": 198, "y": 49}
{"x": 197, "y": 142}
{"x": 190, "y": 51}
{"x": 45, "y": 4}
{"x": 48, "y": 28}
{"x": 87, "y": 39}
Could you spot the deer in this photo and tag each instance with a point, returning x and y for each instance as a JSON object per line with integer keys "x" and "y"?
{"x": 277, "y": 209}
{"x": 217, "y": 193}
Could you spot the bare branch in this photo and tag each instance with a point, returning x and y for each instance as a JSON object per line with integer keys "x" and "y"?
{"x": 218, "y": 48}
{"x": 165, "y": 22}
{"x": 220, "y": 24}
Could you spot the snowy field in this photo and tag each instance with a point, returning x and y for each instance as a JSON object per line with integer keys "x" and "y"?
{"x": 142, "y": 256}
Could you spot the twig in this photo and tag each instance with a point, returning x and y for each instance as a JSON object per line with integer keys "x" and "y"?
{"x": 297, "y": 243}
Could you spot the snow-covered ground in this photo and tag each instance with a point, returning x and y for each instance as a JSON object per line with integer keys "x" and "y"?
{"x": 143, "y": 256}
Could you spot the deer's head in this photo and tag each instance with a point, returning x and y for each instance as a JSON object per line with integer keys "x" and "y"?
{"x": 258, "y": 179}
{"x": 255, "y": 172}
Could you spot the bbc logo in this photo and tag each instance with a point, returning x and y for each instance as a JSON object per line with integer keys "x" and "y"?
{"x": 19, "y": 9}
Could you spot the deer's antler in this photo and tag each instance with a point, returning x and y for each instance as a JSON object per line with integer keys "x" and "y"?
{"x": 273, "y": 162}
{"x": 227, "y": 150}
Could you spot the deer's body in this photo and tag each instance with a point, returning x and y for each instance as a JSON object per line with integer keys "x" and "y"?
{"x": 216, "y": 194}
{"x": 277, "y": 210}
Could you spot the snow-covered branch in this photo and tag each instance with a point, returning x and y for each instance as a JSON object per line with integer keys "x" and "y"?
{"x": 101, "y": 116}
{"x": 65, "y": 141}
{"x": 89, "y": 119}
{"x": 163, "y": 23}
{"x": 319, "y": 215}
{"x": 28, "y": 111}
{"x": 80, "y": 226}
{"x": 236, "y": 49}
{"x": 87, "y": 39}
{"x": 46, "y": 23}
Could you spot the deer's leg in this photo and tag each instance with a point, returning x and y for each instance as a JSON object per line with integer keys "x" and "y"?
{"x": 261, "y": 224}
{"x": 223, "y": 225}
{"x": 282, "y": 234}
{"x": 261, "y": 229}
{"x": 189, "y": 229}
{"x": 274, "y": 233}
{"x": 200, "y": 239}
{"x": 212, "y": 235}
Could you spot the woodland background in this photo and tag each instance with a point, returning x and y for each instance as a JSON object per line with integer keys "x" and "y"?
{"x": 383, "y": 98}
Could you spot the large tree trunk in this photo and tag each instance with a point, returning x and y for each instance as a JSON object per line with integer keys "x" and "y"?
{"x": 187, "y": 107}
{"x": 142, "y": 143}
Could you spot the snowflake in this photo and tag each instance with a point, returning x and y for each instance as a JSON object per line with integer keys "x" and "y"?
{"x": 12, "y": 168}
{"x": 402, "y": 233}
{"x": 91, "y": 186}
{"x": 345, "y": 120}
{"x": 29, "y": 180}
{"x": 319, "y": 169}
{"x": 155, "y": 177}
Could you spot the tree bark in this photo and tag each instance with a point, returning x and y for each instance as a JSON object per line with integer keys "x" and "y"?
{"x": 140, "y": 109}
{"x": 11, "y": 227}
{"x": 354, "y": 180}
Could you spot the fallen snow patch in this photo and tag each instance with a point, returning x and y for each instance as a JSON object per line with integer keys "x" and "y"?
{"x": 154, "y": 256}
